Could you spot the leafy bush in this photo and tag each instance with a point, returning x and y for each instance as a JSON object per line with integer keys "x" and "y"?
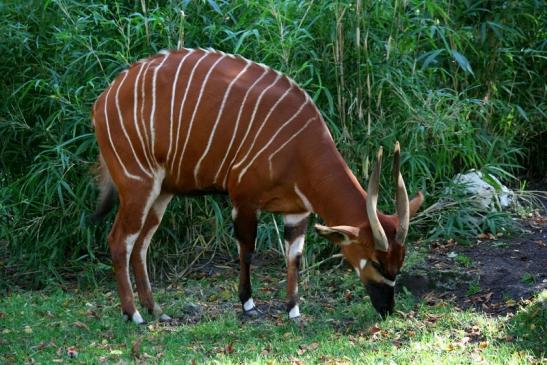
{"x": 460, "y": 84}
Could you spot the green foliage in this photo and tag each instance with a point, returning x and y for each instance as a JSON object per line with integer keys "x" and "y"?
{"x": 460, "y": 84}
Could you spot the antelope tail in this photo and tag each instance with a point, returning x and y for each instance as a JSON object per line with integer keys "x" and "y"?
{"x": 107, "y": 192}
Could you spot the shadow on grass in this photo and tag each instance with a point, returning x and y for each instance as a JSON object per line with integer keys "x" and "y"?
{"x": 527, "y": 327}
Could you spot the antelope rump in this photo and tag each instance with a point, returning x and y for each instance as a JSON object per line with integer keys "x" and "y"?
{"x": 197, "y": 121}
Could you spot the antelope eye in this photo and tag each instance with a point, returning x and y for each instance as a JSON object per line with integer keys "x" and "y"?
{"x": 382, "y": 271}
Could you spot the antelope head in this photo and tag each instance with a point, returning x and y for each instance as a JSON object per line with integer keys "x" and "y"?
{"x": 376, "y": 248}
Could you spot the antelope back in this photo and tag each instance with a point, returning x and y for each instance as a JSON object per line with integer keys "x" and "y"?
{"x": 203, "y": 118}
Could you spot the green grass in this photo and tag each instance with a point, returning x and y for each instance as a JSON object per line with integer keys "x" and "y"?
{"x": 339, "y": 327}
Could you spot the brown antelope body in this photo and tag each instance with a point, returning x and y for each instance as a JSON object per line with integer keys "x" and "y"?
{"x": 198, "y": 121}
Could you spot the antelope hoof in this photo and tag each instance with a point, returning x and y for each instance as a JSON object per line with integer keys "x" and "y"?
{"x": 253, "y": 312}
{"x": 135, "y": 318}
{"x": 250, "y": 309}
{"x": 294, "y": 313}
{"x": 296, "y": 320}
{"x": 165, "y": 318}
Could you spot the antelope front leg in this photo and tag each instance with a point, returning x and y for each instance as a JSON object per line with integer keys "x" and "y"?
{"x": 294, "y": 232}
{"x": 138, "y": 257}
{"x": 245, "y": 220}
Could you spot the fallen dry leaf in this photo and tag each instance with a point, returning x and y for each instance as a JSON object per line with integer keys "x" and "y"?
{"x": 72, "y": 352}
{"x": 136, "y": 349}
{"x": 81, "y": 325}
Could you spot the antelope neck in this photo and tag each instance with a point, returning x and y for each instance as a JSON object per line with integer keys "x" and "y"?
{"x": 334, "y": 192}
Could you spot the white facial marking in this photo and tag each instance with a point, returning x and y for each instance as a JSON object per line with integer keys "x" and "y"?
{"x": 286, "y": 143}
{"x": 362, "y": 264}
{"x": 302, "y": 197}
{"x": 389, "y": 282}
{"x": 234, "y": 213}
{"x": 249, "y": 304}
{"x": 244, "y": 170}
{"x": 219, "y": 115}
{"x": 198, "y": 102}
{"x": 294, "y": 312}
{"x": 294, "y": 219}
{"x": 296, "y": 247}
{"x": 137, "y": 318}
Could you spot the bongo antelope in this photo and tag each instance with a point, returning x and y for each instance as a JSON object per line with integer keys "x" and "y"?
{"x": 197, "y": 121}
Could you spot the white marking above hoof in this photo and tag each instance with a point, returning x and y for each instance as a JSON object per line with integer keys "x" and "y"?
{"x": 249, "y": 305}
{"x": 137, "y": 318}
{"x": 294, "y": 312}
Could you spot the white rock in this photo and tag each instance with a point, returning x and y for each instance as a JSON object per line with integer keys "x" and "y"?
{"x": 487, "y": 191}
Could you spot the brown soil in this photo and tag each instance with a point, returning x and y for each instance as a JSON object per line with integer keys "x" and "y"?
{"x": 490, "y": 275}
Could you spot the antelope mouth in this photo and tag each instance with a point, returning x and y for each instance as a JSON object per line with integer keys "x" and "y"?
{"x": 382, "y": 297}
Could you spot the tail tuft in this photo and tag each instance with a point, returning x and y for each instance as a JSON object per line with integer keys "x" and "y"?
{"x": 108, "y": 194}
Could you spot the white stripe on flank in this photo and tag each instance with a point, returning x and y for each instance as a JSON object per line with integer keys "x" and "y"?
{"x": 251, "y": 122}
{"x": 263, "y": 124}
{"x": 244, "y": 170}
{"x": 284, "y": 144}
{"x": 264, "y": 73}
{"x": 135, "y": 116}
{"x": 122, "y": 124}
{"x": 209, "y": 143}
{"x": 143, "y": 122}
{"x": 198, "y": 102}
{"x": 302, "y": 197}
{"x": 173, "y": 93}
{"x": 190, "y": 78}
{"x": 153, "y": 109}
{"x": 127, "y": 173}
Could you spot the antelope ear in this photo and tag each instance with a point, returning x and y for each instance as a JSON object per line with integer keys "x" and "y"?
{"x": 415, "y": 203}
{"x": 342, "y": 235}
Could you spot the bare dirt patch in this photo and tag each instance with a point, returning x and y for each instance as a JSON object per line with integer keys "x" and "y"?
{"x": 492, "y": 274}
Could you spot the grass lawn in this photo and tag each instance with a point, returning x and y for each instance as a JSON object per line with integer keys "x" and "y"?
{"x": 339, "y": 326}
